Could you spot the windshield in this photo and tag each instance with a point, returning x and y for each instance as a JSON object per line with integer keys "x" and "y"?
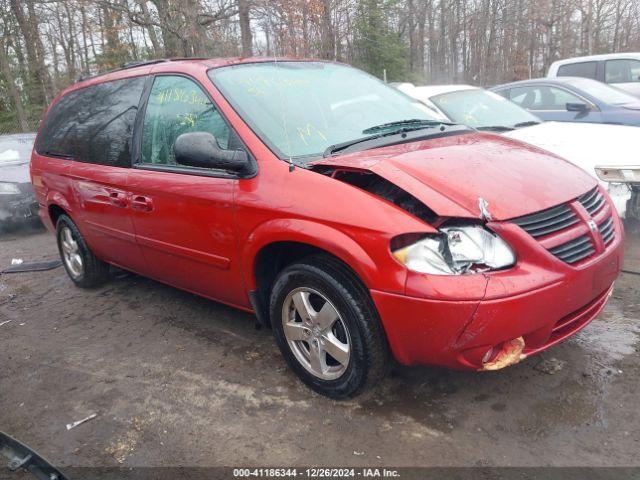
{"x": 15, "y": 149}
{"x": 603, "y": 92}
{"x": 481, "y": 109}
{"x": 300, "y": 108}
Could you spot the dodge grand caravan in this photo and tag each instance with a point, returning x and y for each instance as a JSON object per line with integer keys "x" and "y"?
{"x": 334, "y": 207}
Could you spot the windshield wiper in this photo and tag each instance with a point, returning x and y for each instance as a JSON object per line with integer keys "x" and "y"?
{"x": 530, "y": 123}
{"x": 404, "y": 126}
{"x": 331, "y": 149}
{"x": 495, "y": 128}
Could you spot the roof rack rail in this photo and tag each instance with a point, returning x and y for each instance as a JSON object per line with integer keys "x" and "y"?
{"x": 141, "y": 63}
{"x": 124, "y": 66}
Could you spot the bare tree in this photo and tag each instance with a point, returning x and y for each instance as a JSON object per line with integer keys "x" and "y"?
{"x": 47, "y": 43}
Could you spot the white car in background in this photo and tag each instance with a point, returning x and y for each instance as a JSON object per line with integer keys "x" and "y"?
{"x": 608, "y": 152}
{"x": 621, "y": 70}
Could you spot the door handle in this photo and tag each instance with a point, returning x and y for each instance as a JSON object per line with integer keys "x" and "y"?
{"x": 141, "y": 203}
{"x": 119, "y": 199}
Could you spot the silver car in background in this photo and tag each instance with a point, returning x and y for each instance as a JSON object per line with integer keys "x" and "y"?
{"x": 17, "y": 201}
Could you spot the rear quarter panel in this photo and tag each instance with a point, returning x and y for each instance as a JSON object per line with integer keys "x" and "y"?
{"x": 51, "y": 185}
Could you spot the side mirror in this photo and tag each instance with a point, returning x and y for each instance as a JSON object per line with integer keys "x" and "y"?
{"x": 201, "y": 149}
{"x": 577, "y": 107}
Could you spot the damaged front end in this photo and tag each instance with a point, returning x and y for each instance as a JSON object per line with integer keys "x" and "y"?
{"x": 623, "y": 186}
{"x": 507, "y": 354}
{"x": 460, "y": 246}
{"x": 17, "y": 203}
{"x": 383, "y": 188}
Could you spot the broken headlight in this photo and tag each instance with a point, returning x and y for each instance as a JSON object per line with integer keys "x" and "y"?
{"x": 7, "y": 188}
{"x": 457, "y": 250}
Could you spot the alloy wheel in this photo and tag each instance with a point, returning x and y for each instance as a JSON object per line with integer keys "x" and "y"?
{"x": 71, "y": 252}
{"x": 316, "y": 333}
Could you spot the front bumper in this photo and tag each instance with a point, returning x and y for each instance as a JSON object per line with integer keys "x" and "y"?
{"x": 542, "y": 299}
{"x": 18, "y": 210}
{"x": 19, "y": 207}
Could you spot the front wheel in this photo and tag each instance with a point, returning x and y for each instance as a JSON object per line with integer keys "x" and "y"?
{"x": 327, "y": 327}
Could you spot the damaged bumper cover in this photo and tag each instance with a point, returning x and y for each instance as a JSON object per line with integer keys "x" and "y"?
{"x": 626, "y": 198}
{"x": 493, "y": 320}
{"x": 18, "y": 207}
{"x": 623, "y": 185}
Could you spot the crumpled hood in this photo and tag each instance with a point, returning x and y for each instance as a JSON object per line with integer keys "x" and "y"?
{"x": 450, "y": 174}
{"x": 586, "y": 145}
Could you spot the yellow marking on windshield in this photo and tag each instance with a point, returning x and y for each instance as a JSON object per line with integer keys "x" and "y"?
{"x": 308, "y": 131}
{"x": 259, "y": 84}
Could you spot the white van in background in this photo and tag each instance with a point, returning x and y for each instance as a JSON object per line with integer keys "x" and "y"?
{"x": 621, "y": 70}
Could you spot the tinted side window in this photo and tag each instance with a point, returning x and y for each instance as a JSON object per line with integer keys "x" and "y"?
{"x": 582, "y": 69}
{"x": 178, "y": 105}
{"x": 622, "y": 71}
{"x": 57, "y": 135}
{"x": 94, "y": 124}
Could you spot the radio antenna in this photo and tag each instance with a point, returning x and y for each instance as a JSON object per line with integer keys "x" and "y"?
{"x": 292, "y": 165}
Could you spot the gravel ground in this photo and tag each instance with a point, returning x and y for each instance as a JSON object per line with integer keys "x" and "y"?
{"x": 179, "y": 380}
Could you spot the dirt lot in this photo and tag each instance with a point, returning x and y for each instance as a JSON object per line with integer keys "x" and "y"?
{"x": 179, "y": 380}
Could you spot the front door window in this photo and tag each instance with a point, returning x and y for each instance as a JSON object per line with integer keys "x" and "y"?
{"x": 178, "y": 105}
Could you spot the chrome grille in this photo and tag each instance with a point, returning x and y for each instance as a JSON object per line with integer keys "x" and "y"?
{"x": 607, "y": 231}
{"x": 547, "y": 221}
{"x": 574, "y": 250}
{"x": 592, "y": 201}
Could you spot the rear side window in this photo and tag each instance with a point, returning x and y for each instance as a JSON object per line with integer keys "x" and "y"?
{"x": 622, "y": 71}
{"x": 582, "y": 69}
{"x": 93, "y": 124}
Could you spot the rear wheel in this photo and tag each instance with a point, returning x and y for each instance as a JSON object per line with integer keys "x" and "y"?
{"x": 327, "y": 327}
{"x": 82, "y": 266}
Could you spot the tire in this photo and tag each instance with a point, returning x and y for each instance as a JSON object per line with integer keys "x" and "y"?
{"x": 82, "y": 266}
{"x": 321, "y": 283}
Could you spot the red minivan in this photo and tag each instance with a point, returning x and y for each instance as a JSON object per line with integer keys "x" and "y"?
{"x": 334, "y": 207}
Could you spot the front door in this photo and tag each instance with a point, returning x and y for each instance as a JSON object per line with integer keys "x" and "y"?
{"x": 184, "y": 216}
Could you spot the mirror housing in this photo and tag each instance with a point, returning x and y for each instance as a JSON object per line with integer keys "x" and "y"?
{"x": 201, "y": 149}
{"x": 577, "y": 107}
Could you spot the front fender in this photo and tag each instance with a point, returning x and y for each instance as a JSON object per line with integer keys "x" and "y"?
{"x": 315, "y": 234}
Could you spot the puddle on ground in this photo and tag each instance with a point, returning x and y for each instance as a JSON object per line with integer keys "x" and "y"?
{"x": 613, "y": 335}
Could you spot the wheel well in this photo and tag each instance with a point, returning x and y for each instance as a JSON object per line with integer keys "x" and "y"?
{"x": 274, "y": 258}
{"x": 54, "y": 213}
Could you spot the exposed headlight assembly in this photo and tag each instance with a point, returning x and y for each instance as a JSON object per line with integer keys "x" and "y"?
{"x": 7, "y": 188}
{"x": 622, "y": 174}
{"x": 457, "y": 250}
